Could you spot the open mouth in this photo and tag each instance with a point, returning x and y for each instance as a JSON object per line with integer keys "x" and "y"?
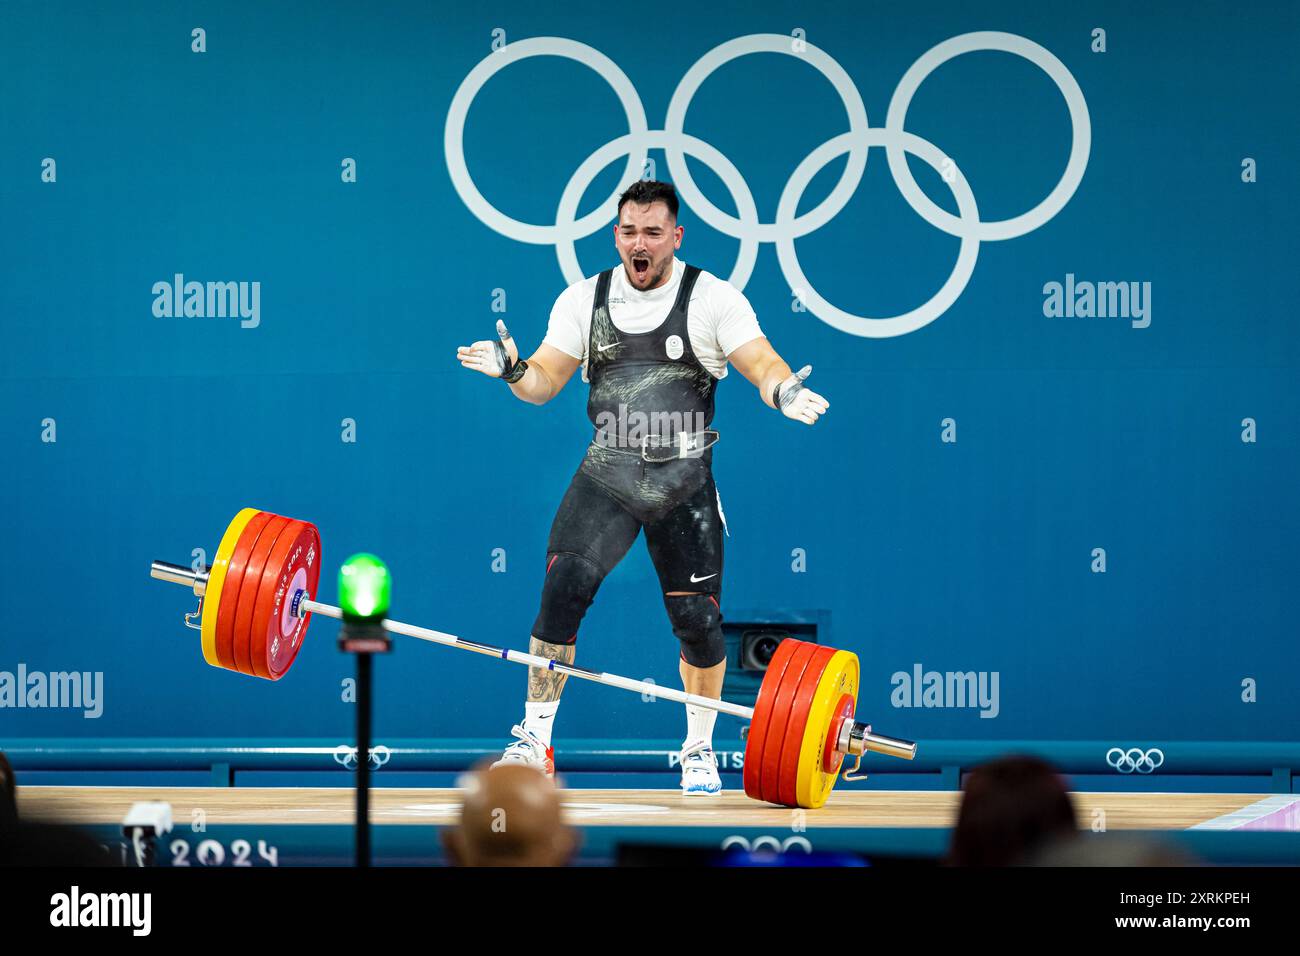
{"x": 640, "y": 265}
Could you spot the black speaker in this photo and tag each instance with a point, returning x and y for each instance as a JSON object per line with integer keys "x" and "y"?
{"x": 753, "y": 635}
{"x": 757, "y": 645}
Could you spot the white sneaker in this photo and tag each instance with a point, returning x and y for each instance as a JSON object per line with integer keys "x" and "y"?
{"x": 530, "y": 751}
{"x": 700, "y": 770}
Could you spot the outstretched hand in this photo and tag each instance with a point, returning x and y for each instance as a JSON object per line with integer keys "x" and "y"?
{"x": 492, "y": 357}
{"x": 799, "y": 402}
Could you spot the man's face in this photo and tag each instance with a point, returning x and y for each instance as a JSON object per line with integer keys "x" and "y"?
{"x": 646, "y": 236}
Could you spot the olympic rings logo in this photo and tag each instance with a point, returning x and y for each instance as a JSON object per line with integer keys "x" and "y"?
{"x": 770, "y": 843}
{"x": 787, "y": 227}
{"x": 346, "y": 756}
{"x": 1128, "y": 761}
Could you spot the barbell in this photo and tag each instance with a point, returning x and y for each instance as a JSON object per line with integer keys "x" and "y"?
{"x": 257, "y": 597}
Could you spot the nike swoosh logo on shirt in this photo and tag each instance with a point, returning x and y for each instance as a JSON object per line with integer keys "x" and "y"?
{"x": 601, "y": 348}
{"x": 695, "y": 580}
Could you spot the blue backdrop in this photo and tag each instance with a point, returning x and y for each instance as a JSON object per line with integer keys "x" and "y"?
{"x": 133, "y": 149}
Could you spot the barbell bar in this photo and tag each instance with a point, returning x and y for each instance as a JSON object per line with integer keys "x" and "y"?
{"x": 801, "y": 726}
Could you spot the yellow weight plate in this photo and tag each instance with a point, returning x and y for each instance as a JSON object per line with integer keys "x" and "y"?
{"x": 217, "y": 578}
{"x": 839, "y": 679}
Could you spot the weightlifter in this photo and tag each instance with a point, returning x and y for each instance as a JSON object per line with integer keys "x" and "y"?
{"x": 653, "y": 338}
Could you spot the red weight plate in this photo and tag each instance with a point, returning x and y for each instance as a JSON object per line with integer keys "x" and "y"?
{"x": 758, "y": 724}
{"x": 831, "y": 756}
{"x": 776, "y": 725}
{"x": 299, "y": 577}
{"x": 796, "y": 723}
{"x": 234, "y": 578}
{"x": 264, "y": 597}
{"x": 249, "y": 589}
{"x": 277, "y": 633}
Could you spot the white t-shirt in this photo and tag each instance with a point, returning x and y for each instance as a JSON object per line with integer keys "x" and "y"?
{"x": 719, "y": 318}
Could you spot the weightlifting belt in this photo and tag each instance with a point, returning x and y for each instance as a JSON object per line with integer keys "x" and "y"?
{"x": 656, "y": 448}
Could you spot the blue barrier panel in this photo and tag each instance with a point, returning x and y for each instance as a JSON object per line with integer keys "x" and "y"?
{"x": 1277, "y": 761}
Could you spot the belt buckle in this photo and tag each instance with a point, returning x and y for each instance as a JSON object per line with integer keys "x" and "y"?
{"x": 684, "y": 446}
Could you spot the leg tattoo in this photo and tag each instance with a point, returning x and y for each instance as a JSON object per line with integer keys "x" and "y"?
{"x": 545, "y": 685}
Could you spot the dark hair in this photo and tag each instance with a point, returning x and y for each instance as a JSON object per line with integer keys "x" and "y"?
{"x": 645, "y": 191}
{"x": 1011, "y": 807}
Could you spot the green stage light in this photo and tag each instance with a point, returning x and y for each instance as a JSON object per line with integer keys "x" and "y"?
{"x": 364, "y": 587}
